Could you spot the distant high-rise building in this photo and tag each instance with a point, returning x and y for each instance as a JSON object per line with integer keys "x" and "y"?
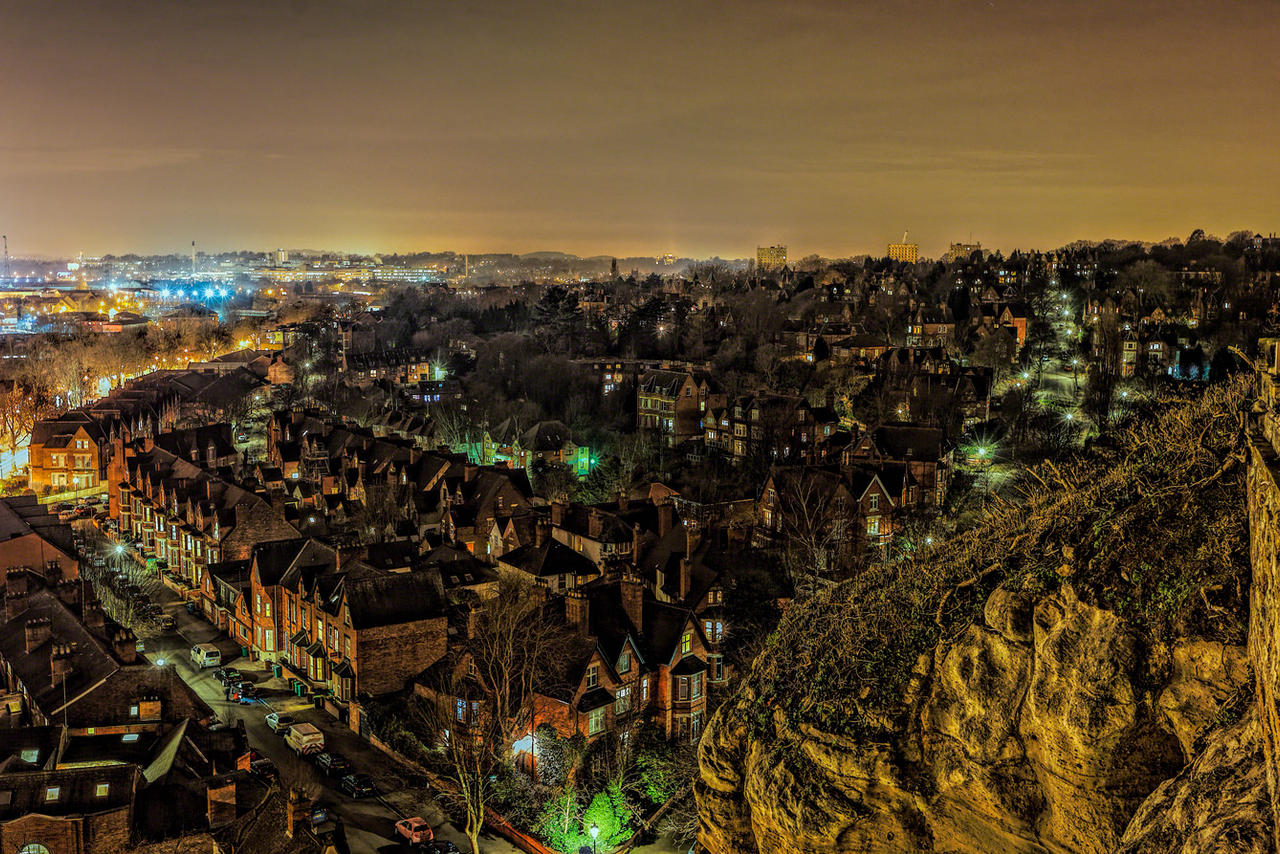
{"x": 908, "y": 252}
{"x": 282, "y": 257}
{"x": 960, "y": 251}
{"x": 613, "y": 268}
{"x": 771, "y": 257}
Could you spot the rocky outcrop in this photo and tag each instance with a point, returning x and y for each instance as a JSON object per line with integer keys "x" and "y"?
{"x": 1096, "y": 696}
{"x": 1042, "y": 729}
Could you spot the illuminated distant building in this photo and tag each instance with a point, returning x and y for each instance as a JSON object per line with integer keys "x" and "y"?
{"x": 908, "y": 252}
{"x": 667, "y": 260}
{"x": 282, "y": 257}
{"x": 960, "y": 251}
{"x": 771, "y": 257}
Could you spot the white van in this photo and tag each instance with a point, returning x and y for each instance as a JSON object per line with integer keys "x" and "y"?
{"x": 206, "y": 655}
{"x": 305, "y": 738}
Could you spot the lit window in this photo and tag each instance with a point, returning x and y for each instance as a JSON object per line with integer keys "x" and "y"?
{"x": 129, "y": 737}
{"x": 101, "y": 790}
{"x": 593, "y": 676}
{"x": 686, "y": 643}
{"x": 52, "y": 793}
{"x": 595, "y": 721}
{"x": 30, "y": 755}
{"x": 624, "y": 662}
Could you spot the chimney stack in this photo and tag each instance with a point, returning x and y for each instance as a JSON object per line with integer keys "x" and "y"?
{"x": 60, "y": 663}
{"x": 541, "y": 531}
{"x": 635, "y": 544}
{"x": 686, "y": 578}
{"x": 631, "y": 591}
{"x": 557, "y": 513}
{"x": 37, "y": 631}
{"x": 297, "y": 811}
{"x": 595, "y": 524}
{"x": 624, "y": 501}
{"x": 15, "y": 604}
{"x": 69, "y": 593}
{"x": 666, "y": 518}
{"x": 469, "y": 472}
{"x": 692, "y": 538}
{"x": 124, "y": 644}
{"x": 15, "y": 581}
{"x": 577, "y": 611}
{"x": 221, "y": 801}
{"x": 92, "y": 615}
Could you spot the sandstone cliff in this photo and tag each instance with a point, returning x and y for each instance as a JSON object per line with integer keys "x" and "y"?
{"x": 1070, "y": 677}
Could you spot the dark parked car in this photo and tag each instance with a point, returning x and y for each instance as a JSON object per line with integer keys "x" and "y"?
{"x": 227, "y": 675}
{"x": 165, "y": 623}
{"x": 442, "y": 846}
{"x": 333, "y": 764}
{"x": 358, "y": 785}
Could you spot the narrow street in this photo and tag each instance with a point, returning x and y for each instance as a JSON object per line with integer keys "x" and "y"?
{"x": 368, "y": 823}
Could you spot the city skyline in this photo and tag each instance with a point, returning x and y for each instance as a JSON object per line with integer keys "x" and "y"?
{"x": 629, "y": 130}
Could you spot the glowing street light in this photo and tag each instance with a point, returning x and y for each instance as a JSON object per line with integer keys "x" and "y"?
{"x": 594, "y": 830}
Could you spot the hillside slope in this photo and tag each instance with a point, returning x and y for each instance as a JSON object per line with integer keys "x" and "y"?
{"x": 1028, "y": 686}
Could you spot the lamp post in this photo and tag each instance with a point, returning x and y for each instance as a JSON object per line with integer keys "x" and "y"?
{"x": 594, "y": 830}
{"x": 1075, "y": 376}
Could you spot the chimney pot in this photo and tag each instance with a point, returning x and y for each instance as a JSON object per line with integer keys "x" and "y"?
{"x": 37, "y": 631}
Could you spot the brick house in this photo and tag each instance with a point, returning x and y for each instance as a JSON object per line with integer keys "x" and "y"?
{"x": 186, "y": 516}
{"x": 551, "y": 442}
{"x": 921, "y": 452}
{"x": 31, "y": 536}
{"x": 68, "y": 452}
{"x": 63, "y": 660}
{"x": 796, "y": 499}
{"x": 69, "y": 811}
{"x": 671, "y": 403}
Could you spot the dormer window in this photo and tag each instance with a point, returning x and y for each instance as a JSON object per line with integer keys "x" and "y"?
{"x": 593, "y": 676}
{"x": 624, "y": 662}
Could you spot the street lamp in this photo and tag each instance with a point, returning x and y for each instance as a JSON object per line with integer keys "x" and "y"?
{"x": 594, "y": 830}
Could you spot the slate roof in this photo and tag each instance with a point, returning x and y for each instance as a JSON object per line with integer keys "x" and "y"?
{"x": 78, "y": 791}
{"x": 546, "y": 437}
{"x": 551, "y": 558}
{"x": 384, "y": 600}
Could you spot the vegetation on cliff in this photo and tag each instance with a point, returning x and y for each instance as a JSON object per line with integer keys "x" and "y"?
{"x": 1151, "y": 526}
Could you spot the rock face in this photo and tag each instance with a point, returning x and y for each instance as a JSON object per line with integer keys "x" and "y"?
{"x": 1057, "y": 717}
{"x": 1041, "y": 730}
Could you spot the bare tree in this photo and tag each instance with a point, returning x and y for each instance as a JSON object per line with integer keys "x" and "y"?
{"x": 511, "y": 650}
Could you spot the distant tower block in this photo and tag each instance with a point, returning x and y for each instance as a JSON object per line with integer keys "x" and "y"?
{"x": 193, "y": 257}
{"x": 282, "y": 257}
{"x": 904, "y": 251}
{"x": 771, "y": 257}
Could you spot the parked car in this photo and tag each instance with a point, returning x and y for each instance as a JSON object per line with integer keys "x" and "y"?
{"x": 243, "y": 689}
{"x": 165, "y": 623}
{"x": 227, "y": 675}
{"x": 415, "y": 830}
{"x": 333, "y": 764}
{"x": 275, "y": 721}
{"x": 443, "y": 846}
{"x": 358, "y": 785}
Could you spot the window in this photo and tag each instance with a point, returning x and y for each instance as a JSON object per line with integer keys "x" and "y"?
{"x": 129, "y": 737}
{"x": 460, "y": 710}
{"x": 33, "y": 848}
{"x": 873, "y": 502}
{"x": 686, "y": 643}
{"x": 713, "y": 630}
{"x": 717, "y": 668}
{"x": 101, "y": 790}
{"x": 52, "y": 793}
{"x": 622, "y": 704}
{"x": 644, "y": 689}
{"x": 133, "y": 711}
{"x": 31, "y": 756}
{"x": 873, "y": 526}
{"x": 595, "y": 721}
{"x": 696, "y": 686}
{"x": 624, "y": 662}
{"x": 683, "y": 688}
{"x": 257, "y": 603}
{"x": 695, "y": 724}
{"x": 593, "y": 676}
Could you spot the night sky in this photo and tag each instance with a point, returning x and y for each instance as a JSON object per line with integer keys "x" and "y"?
{"x": 633, "y": 127}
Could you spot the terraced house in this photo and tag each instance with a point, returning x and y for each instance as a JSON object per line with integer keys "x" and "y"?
{"x": 343, "y": 625}
{"x": 184, "y": 515}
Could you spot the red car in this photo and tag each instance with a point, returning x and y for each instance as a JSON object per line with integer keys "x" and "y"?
{"x": 415, "y": 830}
